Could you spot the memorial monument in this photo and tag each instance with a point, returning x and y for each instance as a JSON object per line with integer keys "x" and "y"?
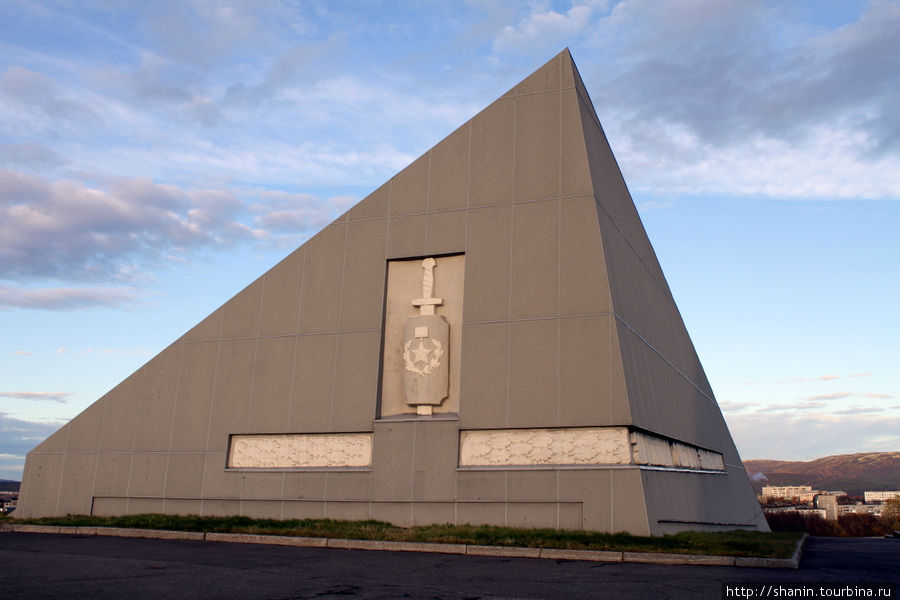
{"x": 485, "y": 338}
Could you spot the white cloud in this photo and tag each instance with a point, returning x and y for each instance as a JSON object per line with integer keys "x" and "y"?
{"x": 711, "y": 97}
{"x": 810, "y": 435}
{"x": 66, "y": 298}
{"x": 543, "y": 29}
{"x": 836, "y": 396}
{"x": 19, "y": 436}
{"x": 61, "y": 397}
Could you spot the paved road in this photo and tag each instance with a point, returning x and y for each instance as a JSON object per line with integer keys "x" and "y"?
{"x": 35, "y": 566}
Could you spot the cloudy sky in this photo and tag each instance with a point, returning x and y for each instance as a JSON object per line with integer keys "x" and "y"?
{"x": 156, "y": 157}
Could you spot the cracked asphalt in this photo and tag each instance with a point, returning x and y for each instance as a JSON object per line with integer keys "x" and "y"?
{"x": 34, "y": 566}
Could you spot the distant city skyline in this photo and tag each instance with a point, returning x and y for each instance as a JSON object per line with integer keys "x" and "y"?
{"x": 179, "y": 150}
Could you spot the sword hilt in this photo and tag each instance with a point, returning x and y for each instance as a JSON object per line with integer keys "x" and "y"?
{"x": 427, "y": 302}
{"x": 428, "y": 278}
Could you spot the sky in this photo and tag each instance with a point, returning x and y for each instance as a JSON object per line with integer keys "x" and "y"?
{"x": 157, "y": 157}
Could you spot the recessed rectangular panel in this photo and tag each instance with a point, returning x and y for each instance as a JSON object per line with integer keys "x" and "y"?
{"x": 301, "y": 451}
{"x": 532, "y": 447}
{"x": 652, "y": 450}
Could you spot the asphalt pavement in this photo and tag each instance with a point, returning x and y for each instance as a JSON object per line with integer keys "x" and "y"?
{"x": 35, "y": 566}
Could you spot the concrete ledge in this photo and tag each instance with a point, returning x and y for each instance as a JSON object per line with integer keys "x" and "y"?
{"x": 156, "y": 534}
{"x": 775, "y": 563}
{"x": 473, "y": 550}
{"x": 595, "y": 555}
{"x": 275, "y": 540}
{"x": 30, "y": 528}
{"x": 768, "y": 563}
{"x": 363, "y": 544}
{"x": 503, "y": 551}
{"x": 660, "y": 558}
{"x": 430, "y": 547}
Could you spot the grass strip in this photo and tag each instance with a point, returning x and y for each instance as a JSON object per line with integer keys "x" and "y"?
{"x": 719, "y": 543}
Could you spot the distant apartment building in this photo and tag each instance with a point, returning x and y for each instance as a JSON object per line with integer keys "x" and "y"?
{"x": 788, "y": 491}
{"x": 828, "y": 503}
{"x": 880, "y": 496}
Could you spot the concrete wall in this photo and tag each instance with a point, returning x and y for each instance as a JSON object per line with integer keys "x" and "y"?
{"x": 567, "y": 322}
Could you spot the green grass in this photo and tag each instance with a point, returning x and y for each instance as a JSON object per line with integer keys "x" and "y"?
{"x": 726, "y": 543}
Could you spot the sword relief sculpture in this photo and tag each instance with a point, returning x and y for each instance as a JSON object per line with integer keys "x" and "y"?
{"x": 426, "y": 343}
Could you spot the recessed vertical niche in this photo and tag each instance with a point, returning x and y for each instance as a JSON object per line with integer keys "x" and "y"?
{"x": 409, "y": 282}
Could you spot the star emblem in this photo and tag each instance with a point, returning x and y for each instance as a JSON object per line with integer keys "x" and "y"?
{"x": 421, "y": 352}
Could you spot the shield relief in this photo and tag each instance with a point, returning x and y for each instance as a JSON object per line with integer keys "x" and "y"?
{"x": 426, "y": 350}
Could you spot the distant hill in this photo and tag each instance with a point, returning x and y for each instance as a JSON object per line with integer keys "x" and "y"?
{"x": 852, "y": 473}
{"x": 8, "y": 485}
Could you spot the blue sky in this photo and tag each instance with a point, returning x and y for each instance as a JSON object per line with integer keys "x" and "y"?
{"x": 157, "y": 157}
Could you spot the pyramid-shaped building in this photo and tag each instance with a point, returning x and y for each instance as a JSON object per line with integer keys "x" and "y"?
{"x": 486, "y": 338}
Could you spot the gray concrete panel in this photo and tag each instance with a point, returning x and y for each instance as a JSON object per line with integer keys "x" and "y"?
{"x": 491, "y": 154}
{"x": 533, "y": 486}
{"x": 281, "y": 296}
{"x": 409, "y": 188}
{"x": 120, "y": 414}
{"x": 209, "y": 328}
{"x": 593, "y": 487}
{"x": 585, "y": 378}
{"x": 364, "y": 273}
{"x": 84, "y": 429}
{"x": 537, "y": 146}
{"x": 480, "y": 485}
{"x": 157, "y": 400}
{"x": 583, "y": 281}
{"x": 448, "y": 184}
{"x": 574, "y": 173}
{"x": 356, "y": 382}
{"x": 398, "y": 513}
{"x": 313, "y": 382}
{"x": 142, "y": 506}
{"x": 407, "y": 236}
{"x": 546, "y": 78}
{"x": 148, "y": 474}
{"x": 303, "y": 510}
{"x": 261, "y": 485}
{"x": 351, "y": 485}
{"x": 425, "y": 513}
{"x": 484, "y": 381}
{"x": 182, "y": 506}
{"x": 373, "y": 206}
{"x": 532, "y": 514}
{"x": 487, "y": 513}
{"x": 241, "y": 316}
{"x": 112, "y": 474}
{"x": 392, "y": 460}
{"x": 323, "y": 280}
{"x": 535, "y": 260}
{"x": 231, "y": 393}
{"x": 220, "y": 508}
{"x": 42, "y": 490}
{"x": 196, "y": 375}
{"x": 350, "y": 511}
{"x": 533, "y": 373}
{"x": 76, "y": 484}
{"x": 181, "y": 474}
{"x": 273, "y": 370}
{"x": 434, "y": 460}
{"x": 217, "y": 482}
{"x": 446, "y": 232}
{"x": 304, "y": 485}
{"x": 629, "y": 511}
{"x": 488, "y": 244}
